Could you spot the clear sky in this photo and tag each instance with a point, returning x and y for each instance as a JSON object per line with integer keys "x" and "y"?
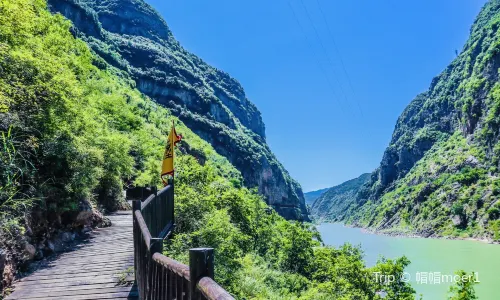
{"x": 330, "y": 77}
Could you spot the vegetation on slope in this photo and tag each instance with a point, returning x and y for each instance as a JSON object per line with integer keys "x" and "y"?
{"x": 439, "y": 175}
{"x": 450, "y": 180}
{"x": 75, "y": 132}
{"x": 133, "y": 37}
{"x": 332, "y": 204}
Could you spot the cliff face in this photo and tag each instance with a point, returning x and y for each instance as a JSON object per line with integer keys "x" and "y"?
{"x": 132, "y": 36}
{"x": 439, "y": 175}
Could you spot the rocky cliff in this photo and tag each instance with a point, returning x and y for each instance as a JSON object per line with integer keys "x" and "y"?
{"x": 439, "y": 175}
{"x": 131, "y": 36}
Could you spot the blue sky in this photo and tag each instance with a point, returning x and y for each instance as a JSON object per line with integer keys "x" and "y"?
{"x": 330, "y": 77}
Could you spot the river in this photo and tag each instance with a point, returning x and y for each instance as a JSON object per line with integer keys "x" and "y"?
{"x": 437, "y": 256}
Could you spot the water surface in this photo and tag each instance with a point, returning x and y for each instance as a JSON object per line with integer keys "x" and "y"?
{"x": 426, "y": 255}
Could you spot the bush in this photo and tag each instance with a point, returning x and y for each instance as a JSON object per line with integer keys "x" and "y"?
{"x": 494, "y": 212}
{"x": 463, "y": 288}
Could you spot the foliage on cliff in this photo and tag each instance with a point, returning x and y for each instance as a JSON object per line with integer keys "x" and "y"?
{"x": 133, "y": 37}
{"x": 439, "y": 175}
{"x": 332, "y": 204}
{"x": 75, "y": 130}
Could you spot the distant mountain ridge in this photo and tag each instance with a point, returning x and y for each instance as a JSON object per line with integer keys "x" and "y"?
{"x": 332, "y": 204}
{"x": 131, "y": 36}
{"x": 313, "y": 195}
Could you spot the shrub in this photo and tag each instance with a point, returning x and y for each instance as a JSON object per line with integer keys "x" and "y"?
{"x": 463, "y": 288}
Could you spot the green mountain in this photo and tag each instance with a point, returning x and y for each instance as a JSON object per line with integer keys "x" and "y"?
{"x": 132, "y": 37}
{"x": 313, "y": 195}
{"x": 75, "y": 132}
{"x": 439, "y": 176}
{"x": 332, "y": 204}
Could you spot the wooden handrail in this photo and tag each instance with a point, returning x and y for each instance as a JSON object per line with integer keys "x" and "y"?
{"x": 147, "y": 201}
{"x": 173, "y": 265}
{"x": 211, "y": 290}
{"x": 144, "y": 228}
{"x": 161, "y": 277}
{"x": 163, "y": 190}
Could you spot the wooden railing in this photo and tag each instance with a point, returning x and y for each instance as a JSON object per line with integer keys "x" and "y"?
{"x": 158, "y": 212}
{"x": 158, "y": 276}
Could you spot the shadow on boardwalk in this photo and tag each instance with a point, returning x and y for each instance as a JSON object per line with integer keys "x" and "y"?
{"x": 100, "y": 267}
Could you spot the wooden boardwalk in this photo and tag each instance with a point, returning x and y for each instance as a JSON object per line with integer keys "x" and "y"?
{"x": 102, "y": 267}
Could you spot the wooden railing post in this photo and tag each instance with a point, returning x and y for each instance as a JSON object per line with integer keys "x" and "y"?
{"x": 171, "y": 200}
{"x": 153, "y": 221}
{"x": 136, "y": 205}
{"x": 201, "y": 264}
{"x": 156, "y": 246}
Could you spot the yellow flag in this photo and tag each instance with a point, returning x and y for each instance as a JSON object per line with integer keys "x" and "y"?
{"x": 167, "y": 167}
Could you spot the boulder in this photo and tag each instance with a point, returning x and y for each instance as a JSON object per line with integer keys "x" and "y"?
{"x": 471, "y": 161}
{"x": 457, "y": 220}
{"x": 99, "y": 220}
{"x": 67, "y": 237}
{"x": 104, "y": 222}
{"x": 85, "y": 212}
{"x": 29, "y": 251}
{"x": 57, "y": 243}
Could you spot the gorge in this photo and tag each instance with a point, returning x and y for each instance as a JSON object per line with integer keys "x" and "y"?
{"x": 89, "y": 90}
{"x": 439, "y": 174}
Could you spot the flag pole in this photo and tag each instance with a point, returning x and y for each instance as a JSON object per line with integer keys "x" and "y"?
{"x": 172, "y": 177}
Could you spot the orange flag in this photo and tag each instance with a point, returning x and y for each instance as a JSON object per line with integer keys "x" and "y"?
{"x": 167, "y": 167}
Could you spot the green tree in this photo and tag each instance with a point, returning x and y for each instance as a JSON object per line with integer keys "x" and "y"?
{"x": 464, "y": 287}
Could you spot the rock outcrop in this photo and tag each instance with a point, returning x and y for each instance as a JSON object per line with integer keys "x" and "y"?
{"x": 131, "y": 36}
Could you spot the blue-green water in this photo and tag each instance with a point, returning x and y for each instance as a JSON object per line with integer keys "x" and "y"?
{"x": 438, "y": 256}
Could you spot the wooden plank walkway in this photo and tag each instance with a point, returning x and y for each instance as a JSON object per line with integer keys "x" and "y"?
{"x": 101, "y": 267}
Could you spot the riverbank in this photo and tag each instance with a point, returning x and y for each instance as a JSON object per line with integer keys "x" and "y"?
{"x": 408, "y": 234}
{"x": 400, "y": 232}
